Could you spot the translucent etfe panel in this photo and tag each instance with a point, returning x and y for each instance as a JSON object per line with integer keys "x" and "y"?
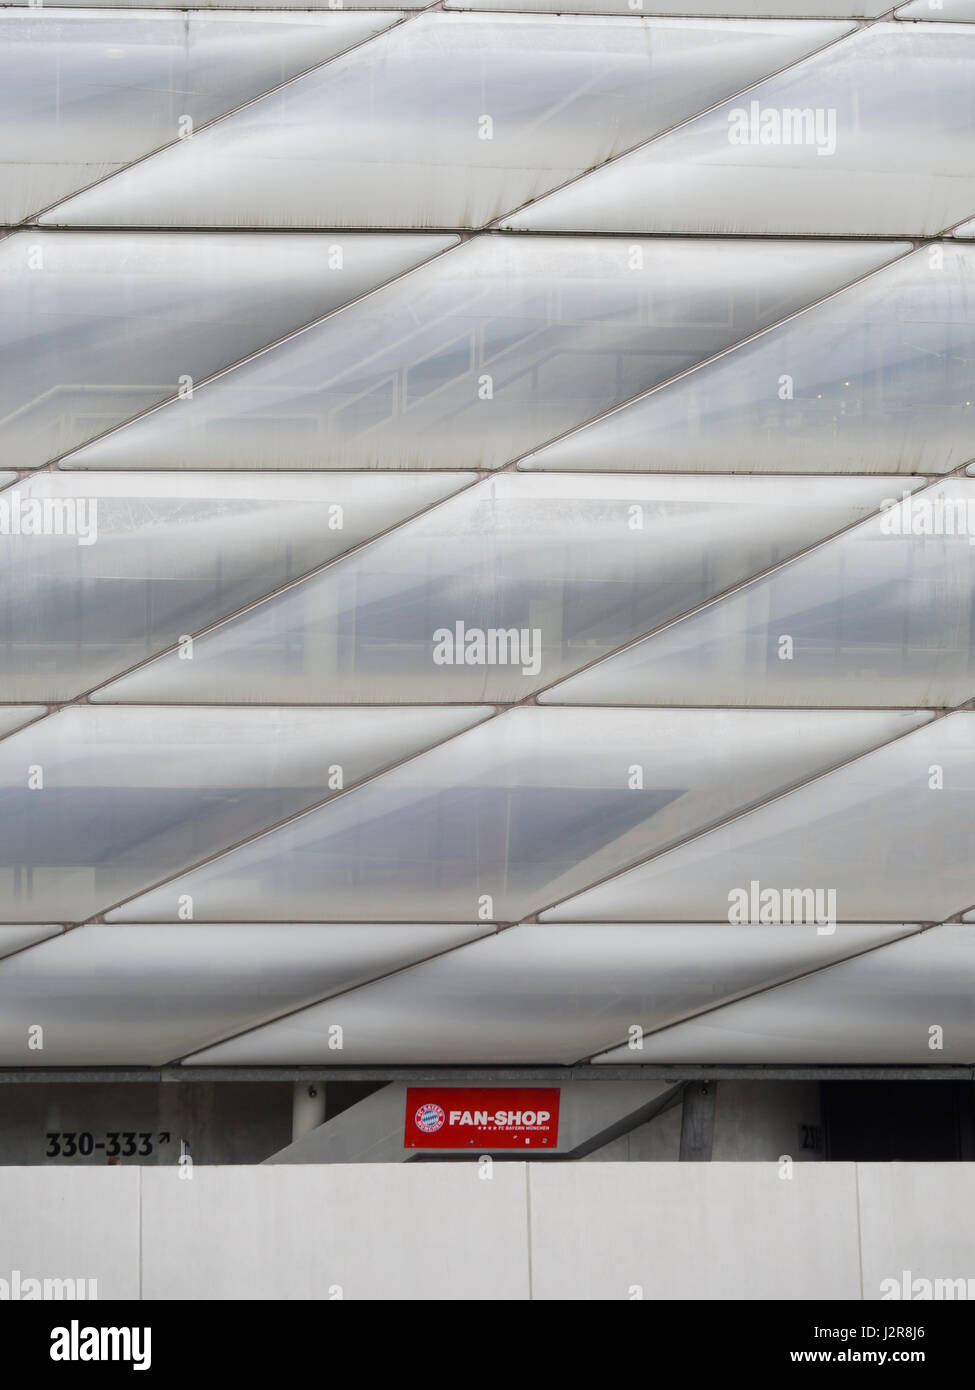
{"x": 145, "y": 995}
{"x": 17, "y": 938}
{"x": 494, "y": 348}
{"x": 97, "y": 804}
{"x": 83, "y": 92}
{"x": 266, "y": 5}
{"x": 782, "y": 9}
{"x": 450, "y": 120}
{"x": 961, "y": 11}
{"x": 889, "y": 836}
{"x": 875, "y": 1009}
{"x": 832, "y": 146}
{"x": 883, "y": 615}
{"x": 543, "y": 994}
{"x": 877, "y": 379}
{"x": 15, "y": 716}
{"x": 967, "y": 229}
{"x": 99, "y": 571}
{"x": 504, "y": 589}
{"x": 95, "y": 327}
{"x": 516, "y": 814}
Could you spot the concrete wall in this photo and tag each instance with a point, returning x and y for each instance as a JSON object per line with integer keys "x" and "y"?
{"x": 753, "y": 1121}
{"x": 223, "y": 1123}
{"x": 446, "y": 1230}
{"x": 247, "y": 1122}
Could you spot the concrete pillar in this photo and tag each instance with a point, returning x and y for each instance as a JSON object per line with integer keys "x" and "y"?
{"x": 307, "y": 1107}
{"x": 697, "y": 1122}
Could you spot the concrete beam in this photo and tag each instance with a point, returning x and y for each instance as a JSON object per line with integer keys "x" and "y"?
{"x": 476, "y": 1076}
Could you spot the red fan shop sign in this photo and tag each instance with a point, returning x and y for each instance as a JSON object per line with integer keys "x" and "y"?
{"x": 446, "y": 1117}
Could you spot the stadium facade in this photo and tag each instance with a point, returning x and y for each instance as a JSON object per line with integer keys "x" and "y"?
{"x": 488, "y": 538}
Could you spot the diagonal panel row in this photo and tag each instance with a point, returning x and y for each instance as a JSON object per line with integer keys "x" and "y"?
{"x": 101, "y": 804}
{"x": 489, "y": 351}
{"x": 551, "y": 994}
{"x": 266, "y": 994}
{"x": 486, "y": 353}
{"x": 492, "y": 595}
{"x": 146, "y": 995}
{"x": 494, "y": 349}
{"x": 448, "y": 120}
{"x": 497, "y": 823}
{"x": 263, "y": 994}
{"x": 525, "y": 811}
{"x": 508, "y": 108}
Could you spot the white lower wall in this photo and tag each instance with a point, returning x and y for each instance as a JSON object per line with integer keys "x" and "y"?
{"x": 916, "y": 1218}
{"x": 72, "y": 1223}
{"x": 694, "y": 1230}
{"x": 442, "y": 1230}
{"x": 353, "y": 1231}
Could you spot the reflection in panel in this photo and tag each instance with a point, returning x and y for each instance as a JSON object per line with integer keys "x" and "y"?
{"x": 95, "y": 327}
{"x": 84, "y": 93}
{"x": 125, "y": 565}
{"x": 877, "y": 379}
{"x": 883, "y": 615}
{"x": 143, "y": 996}
{"x": 449, "y": 120}
{"x": 492, "y": 349}
{"x": 543, "y": 994}
{"x": 880, "y": 1008}
{"x": 891, "y": 835}
{"x": 98, "y": 804}
{"x": 505, "y": 589}
{"x": 947, "y": 11}
{"x": 833, "y": 146}
{"x": 531, "y": 806}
